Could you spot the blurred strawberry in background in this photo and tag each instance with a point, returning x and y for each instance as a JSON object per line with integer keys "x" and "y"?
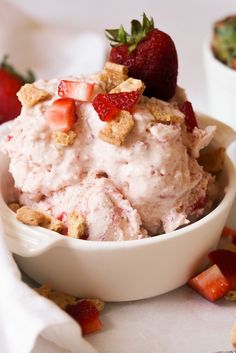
{"x": 10, "y": 83}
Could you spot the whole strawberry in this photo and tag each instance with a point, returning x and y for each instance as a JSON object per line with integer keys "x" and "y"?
{"x": 10, "y": 83}
{"x": 150, "y": 55}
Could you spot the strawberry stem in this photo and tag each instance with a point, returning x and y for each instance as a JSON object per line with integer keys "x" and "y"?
{"x": 139, "y": 32}
{"x": 29, "y": 78}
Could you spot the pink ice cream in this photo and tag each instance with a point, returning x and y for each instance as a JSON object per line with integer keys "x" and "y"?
{"x": 151, "y": 184}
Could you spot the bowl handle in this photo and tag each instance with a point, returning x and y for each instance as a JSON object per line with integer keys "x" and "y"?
{"x": 27, "y": 241}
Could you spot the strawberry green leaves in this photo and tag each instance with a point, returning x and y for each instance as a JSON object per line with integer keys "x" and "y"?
{"x": 139, "y": 32}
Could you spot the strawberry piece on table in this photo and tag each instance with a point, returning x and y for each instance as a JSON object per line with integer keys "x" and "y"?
{"x": 10, "y": 83}
{"x": 228, "y": 232}
{"x": 108, "y": 105}
{"x": 189, "y": 116}
{"x": 226, "y": 261}
{"x": 87, "y": 315}
{"x": 211, "y": 283}
{"x": 149, "y": 54}
{"x": 61, "y": 115}
{"x": 80, "y": 90}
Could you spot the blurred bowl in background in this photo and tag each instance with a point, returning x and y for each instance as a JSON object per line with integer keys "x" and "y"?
{"x": 221, "y": 87}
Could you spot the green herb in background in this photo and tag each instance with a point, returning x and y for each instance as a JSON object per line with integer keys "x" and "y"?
{"x": 224, "y": 41}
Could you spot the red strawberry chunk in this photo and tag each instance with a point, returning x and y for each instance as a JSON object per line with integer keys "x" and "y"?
{"x": 61, "y": 115}
{"x": 226, "y": 261}
{"x": 199, "y": 204}
{"x": 189, "y": 116}
{"x": 108, "y": 105}
{"x": 228, "y": 232}
{"x": 86, "y": 314}
{"x": 105, "y": 110}
{"x": 123, "y": 100}
{"x": 80, "y": 90}
{"x": 211, "y": 283}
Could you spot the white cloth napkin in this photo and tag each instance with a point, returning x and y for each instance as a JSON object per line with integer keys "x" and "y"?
{"x": 25, "y": 315}
{"x": 26, "y": 319}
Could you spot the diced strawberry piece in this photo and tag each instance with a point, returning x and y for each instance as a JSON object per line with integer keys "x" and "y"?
{"x": 228, "y": 232}
{"x": 79, "y": 90}
{"x": 123, "y": 100}
{"x": 233, "y": 64}
{"x": 61, "y": 115}
{"x": 61, "y": 216}
{"x": 105, "y": 110}
{"x": 189, "y": 116}
{"x": 199, "y": 204}
{"x": 226, "y": 261}
{"x": 87, "y": 315}
{"x": 211, "y": 283}
{"x": 9, "y": 137}
{"x": 108, "y": 105}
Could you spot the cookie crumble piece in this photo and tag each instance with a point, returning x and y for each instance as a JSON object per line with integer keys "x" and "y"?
{"x": 162, "y": 113}
{"x": 233, "y": 335}
{"x": 63, "y": 299}
{"x": 116, "y": 131}
{"x": 29, "y": 95}
{"x": 129, "y": 85}
{"x": 76, "y": 225}
{"x": 212, "y": 161}
{"x": 33, "y": 217}
{"x": 113, "y": 74}
{"x": 59, "y": 298}
{"x": 64, "y": 138}
{"x": 14, "y": 206}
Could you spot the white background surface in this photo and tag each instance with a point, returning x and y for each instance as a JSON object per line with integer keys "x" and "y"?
{"x": 181, "y": 321}
{"x": 187, "y": 21}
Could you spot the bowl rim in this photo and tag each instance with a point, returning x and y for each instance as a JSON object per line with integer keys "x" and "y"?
{"x": 95, "y": 245}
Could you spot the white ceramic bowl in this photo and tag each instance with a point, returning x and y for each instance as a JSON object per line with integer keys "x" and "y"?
{"x": 125, "y": 270}
{"x": 221, "y": 87}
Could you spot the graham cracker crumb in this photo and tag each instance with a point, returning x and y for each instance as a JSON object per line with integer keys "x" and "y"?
{"x": 116, "y": 131}
{"x": 29, "y": 95}
{"x": 112, "y": 75}
{"x": 14, "y": 206}
{"x": 55, "y": 225}
{"x": 231, "y": 296}
{"x": 64, "y": 138}
{"x": 230, "y": 247}
{"x": 129, "y": 85}
{"x": 76, "y": 225}
{"x": 63, "y": 299}
{"x": 98, "y": 303}
{"x": 233, "y": 336}
{"x": 162, "y": 112}
{"x": 121, "y": 69}
{"x": 59, "y": 298}
{"x": 212, "y": 161}
{"x": 31, "y": 217}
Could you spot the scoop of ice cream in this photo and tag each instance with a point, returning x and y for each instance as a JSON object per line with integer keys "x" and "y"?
{"x": 109, "y": 216}
{"x": 154, "y": 180}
